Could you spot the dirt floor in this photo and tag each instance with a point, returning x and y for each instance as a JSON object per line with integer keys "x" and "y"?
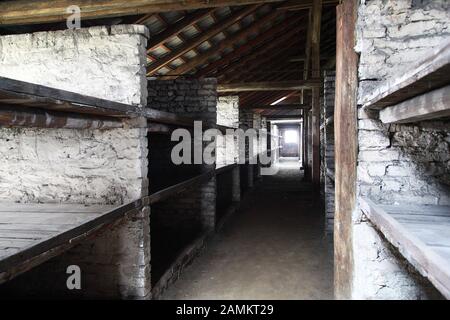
{"x": 272, "y": 248}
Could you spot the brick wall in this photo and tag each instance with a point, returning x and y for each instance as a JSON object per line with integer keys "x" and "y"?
{"x": 328, "y": 150}
{"x": 103, "y": 62}
{"x": 227, "y": 115}
{"x": 396, "y": 163}
{"x": 177, "y": 222}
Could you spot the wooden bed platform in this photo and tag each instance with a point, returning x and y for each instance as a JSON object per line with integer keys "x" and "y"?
{"x": 420, "y": 233}
{"x": 31, "y": 234}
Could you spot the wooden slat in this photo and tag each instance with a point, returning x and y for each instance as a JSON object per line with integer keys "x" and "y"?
{"x": 409, "y": 241}
{"x": 179, "y": 188}
{"x": 431, "y": 105}
{"x": 431, "y": 73}
{"x": 43, "y": 11}
{"x": 35, "y": 252}
{"x": 20, "y": 92}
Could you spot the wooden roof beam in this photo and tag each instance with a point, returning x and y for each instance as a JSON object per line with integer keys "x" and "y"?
{"x": 46, "y": 11}
{"x": 268, "y": 86}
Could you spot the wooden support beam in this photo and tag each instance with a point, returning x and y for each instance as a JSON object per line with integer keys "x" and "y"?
{"x": 177, "y": 27}
{"x": 294, "y": 5}
{"x": 14, "y": 116}
{"x": 281, "y": 107}
{"x": 227, "y": 43}
{"x": 346, "y": 146}
{"x": 431, "y": 105}
{"x": 268, "y": 86}
{"x": 202, "y": 37}
{"x": 45, "y": 11}
{"x": 315, "y": 66}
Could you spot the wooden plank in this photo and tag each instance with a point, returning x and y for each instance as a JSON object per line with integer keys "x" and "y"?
{"x": 346, "y": 146}
{"x": 431, "y": 73}
{"x": 15, "y": 116}
{"x": 422, "y": 257}
{"x": 17, "y": 92}
{"x": 431, "y": 105}
{"x": 40, "y": 251}
{"x": 429, "y": 210}
{"x": 44, "y": 11}
{"x": 179, "y": 188}
{"x": 53, "y": 207}
{"x": 268, "y": 86}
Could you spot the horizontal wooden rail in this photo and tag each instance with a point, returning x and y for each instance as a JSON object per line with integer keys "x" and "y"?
{"x": 226, "y": 168}
{"x": 179, "y": 187}
{"x": 431, "y": 73}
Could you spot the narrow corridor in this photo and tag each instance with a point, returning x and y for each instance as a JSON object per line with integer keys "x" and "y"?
{"x": 272, "y": 248}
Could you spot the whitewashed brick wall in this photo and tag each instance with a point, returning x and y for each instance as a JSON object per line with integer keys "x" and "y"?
{"x": 396, "y": 164}
{"x": 84, "y": 166}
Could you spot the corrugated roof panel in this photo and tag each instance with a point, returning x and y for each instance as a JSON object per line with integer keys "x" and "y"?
{"x": 163, "y": 71}
{"x": 217, "y": 38}
{"x": 247, "y": 20}
{"x": 159, "y": 52}
{"x": 227, "y": 50}
{"x": 222, "y": 12}
{"x": 233, "y": 28}
{"x": 190, "y": 54}
{"x": 154, "y": 25}
{"x": 172, "y": 16}
{"x": 206, "y": 22}
{"x": 190, "y": 32}
{"x": 204, "y": 46}
{"x": 176, "y": 63}
{"x": 174, "y": 42}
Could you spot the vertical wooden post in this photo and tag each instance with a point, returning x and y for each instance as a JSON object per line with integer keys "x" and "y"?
{"x": 315, "y": 72}
{"x": 305, "y": 143}
{"x": 345, "y": 131}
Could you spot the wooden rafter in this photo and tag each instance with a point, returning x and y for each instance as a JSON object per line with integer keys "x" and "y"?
{"x": 207, "y": 34}
{"x": 237, "y": 53}
{"x": 229, "y": 42}
{"x": 177, "y": 27}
